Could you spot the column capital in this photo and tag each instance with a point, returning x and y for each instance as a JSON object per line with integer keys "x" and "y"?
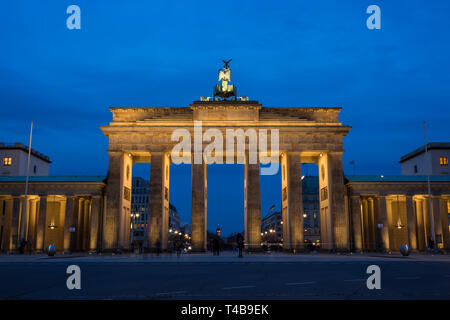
{"x": 115, "y": 152}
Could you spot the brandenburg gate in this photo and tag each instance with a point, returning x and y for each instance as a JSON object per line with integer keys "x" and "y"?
{"x": 303, "y": 135}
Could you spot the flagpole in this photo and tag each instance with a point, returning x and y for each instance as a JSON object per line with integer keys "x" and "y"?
{"x": 430, "y": 209}
{"x": 24, "y": 213}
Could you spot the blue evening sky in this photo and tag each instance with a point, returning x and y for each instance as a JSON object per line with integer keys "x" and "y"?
{"x": 167, "y": 53}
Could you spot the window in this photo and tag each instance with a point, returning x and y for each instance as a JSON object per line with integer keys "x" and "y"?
{"x": 7, "y": 161}
{"x": 34, "y": 169}
{"x": 415, "y": 169}
{"x": 443, "y": 161}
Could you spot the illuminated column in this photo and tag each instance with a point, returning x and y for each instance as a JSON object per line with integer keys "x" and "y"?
{"x": 332, "y": 201}
{"x": 383, "y": 214}
{"x": 32, "y": 217}
{"x": 6, "y": 241}
{"x": 159, "y": 200}
{"x": 411, "y": 222}
{"x": 426, "y": 220}
{"x": 95, "y": 222}
{"x": 116, "y": 222}
{"x": 365, "y": 218}
{"x": 41, "y": 223}
{"x": 356, "y": 222}
{"x": 2, "y": 222}
{"x": 371, "y": 217}
{"x": 69, "y": 222}
{"x": 445, "y": 225}
{"x": 199, "y": 206}
{"x": 421, "y": 245}
{"x": 252, "y": 205}
{"x": 437, "y": 215}
{"x": 86, "y": 224}
{"x": 15, "y": 222}
{"x": 292, "y": 206}
{"x": 80, "y": 224}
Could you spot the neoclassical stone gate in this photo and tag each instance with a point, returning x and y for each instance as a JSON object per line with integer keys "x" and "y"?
{"x": 306, "y": 135}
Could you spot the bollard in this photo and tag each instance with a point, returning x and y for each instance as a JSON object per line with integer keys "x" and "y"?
{"x": 404, "y": 249}
{"x": 51, "y": 250}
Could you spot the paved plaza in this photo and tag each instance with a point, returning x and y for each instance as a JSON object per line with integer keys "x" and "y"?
{"x": 203, "y": 276}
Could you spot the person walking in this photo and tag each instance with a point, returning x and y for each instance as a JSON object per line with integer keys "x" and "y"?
{"x": 179, "y": 247}
{"x": 240, "y": 243}
{"x": 216, "y": 247}
{"x": 158, "y": 247}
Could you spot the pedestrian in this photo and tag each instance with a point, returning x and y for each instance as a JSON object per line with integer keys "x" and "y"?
{"x": 240, "y": 243}
{"x": 430, "y": 244}
{"x": 22, "y": 245}
{"x": 216, "y": 247}
{"x": 178, "y": 248}
{"x": 158, "y": 247}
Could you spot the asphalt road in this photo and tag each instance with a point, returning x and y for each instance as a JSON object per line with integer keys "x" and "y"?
{"x": 107, "y": 278}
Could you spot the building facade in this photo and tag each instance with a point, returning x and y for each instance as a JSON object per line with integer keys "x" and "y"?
{"x": 14, "y": 161}
{"x": 64, "y": 211}
{"x": 389, "y": 211}
{"x": 415, "y": 162}
{"x": 272, "y": 228}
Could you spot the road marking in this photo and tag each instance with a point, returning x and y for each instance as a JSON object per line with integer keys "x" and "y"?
{"x": 173, "y": 292}
{"x": 239, "y": 287}
{"x": 407, "y": 278}
{"x": 354, "y": 280}
{"x": 299, "y": 283}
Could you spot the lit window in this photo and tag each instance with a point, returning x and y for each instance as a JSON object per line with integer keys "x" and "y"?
{"x": 444, "y": 161}
{"x": 7, "y": 161}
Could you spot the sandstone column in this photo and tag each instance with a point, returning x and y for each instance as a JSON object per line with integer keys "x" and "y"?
{"x": 445, "y": 225}
{"x": 15, "y": 222}
{"x": 199, "y": 206}
{"x": 437, "y": 215}
{"x": 365, "y": 218}
{"x": 41, "y": 224}
{"x": 372, "y": 224}
{"x": 252, "y": 205}
{"x": 6, "y": 242}
{"x": 159, "y": 200}
{"x": 292, "y": 205}
{"x": 421, "y": 244}
{"x": 80, "y": 224}
{"x": 116, "y": 222}
{"x": 334, "y": 218}
{"x": 2, "y": 222}
{"x": 86, "y": 224}
{"x": 95, "y": 223}
{"x": 411, "y": 222}
{"x": 356, "y": 222}
{"x": 340, "y": 220}
{"x": 68, "y": 223}
{"x": 385, "y": 222}
{"x": 31, "y": 237}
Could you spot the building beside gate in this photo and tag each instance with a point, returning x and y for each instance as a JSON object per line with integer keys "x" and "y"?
{"x": 64, "y": 211}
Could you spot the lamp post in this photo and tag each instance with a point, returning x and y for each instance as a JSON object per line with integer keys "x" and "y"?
{"x": 24, "y": 213}
{"x": 430, "y": 208}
